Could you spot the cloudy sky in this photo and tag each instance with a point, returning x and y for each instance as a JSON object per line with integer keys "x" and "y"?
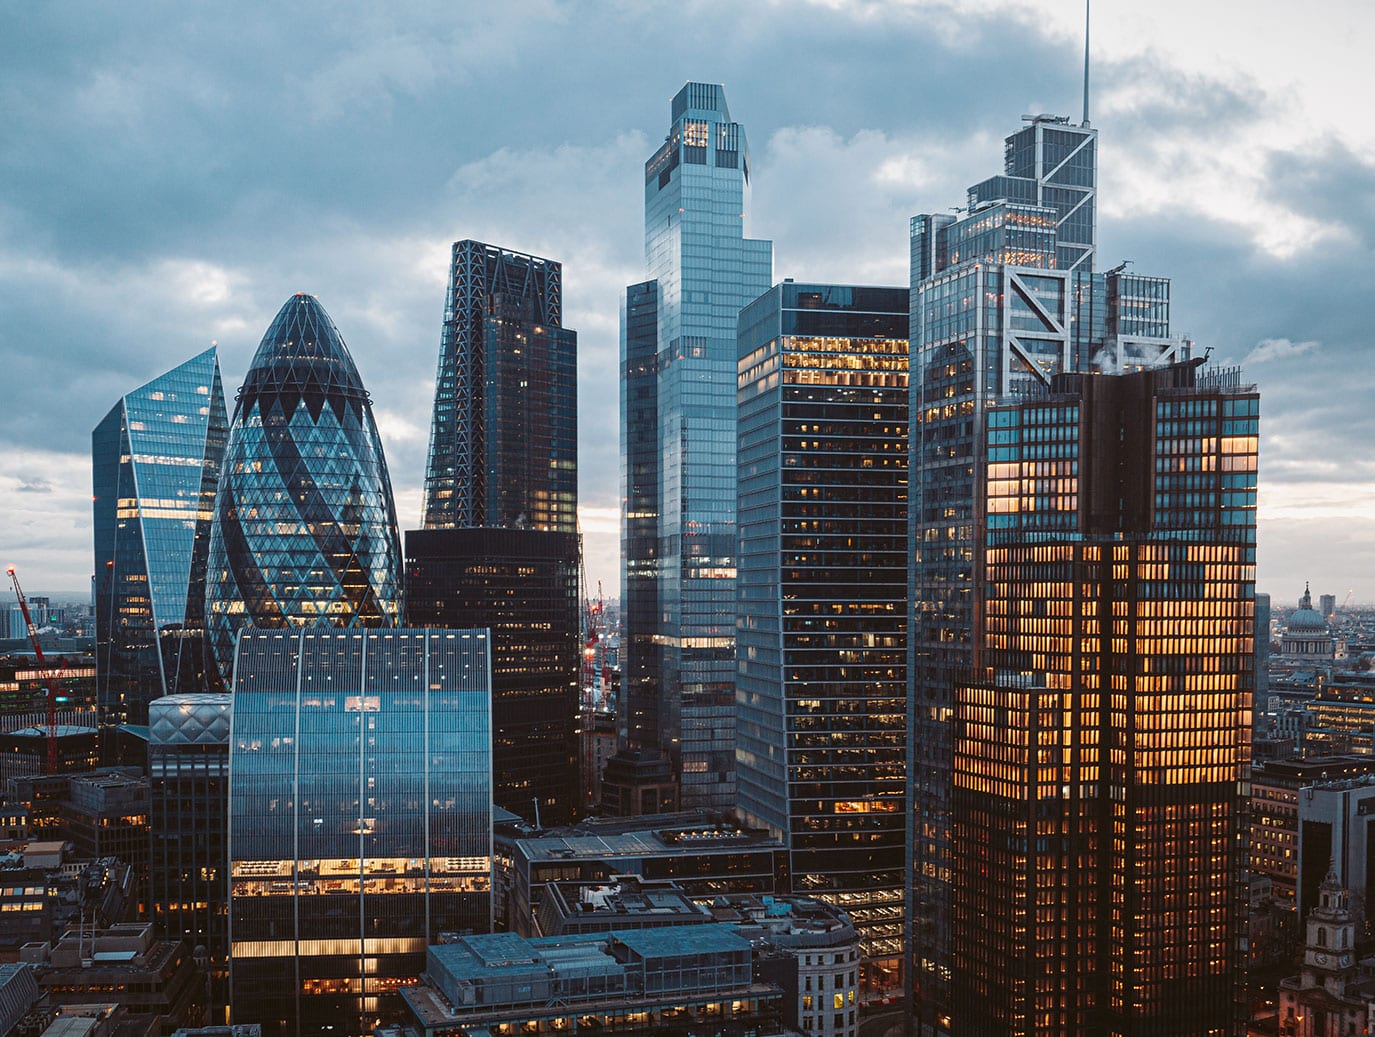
{"x": 170, "y": 173}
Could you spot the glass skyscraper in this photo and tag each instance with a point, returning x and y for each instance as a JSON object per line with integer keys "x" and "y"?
{"x": 504, "y": 437}
{"x": 500, "y": 546}
{"x": 360, "y": 823}
{"x": 305, "y": 528}
{"x": 1101, "y": 744}
{"x": 678, "y": 487}
{"x": 1004, "y": 297}
{"x": 155, "y": 463}
{"x": 821, "y": 631}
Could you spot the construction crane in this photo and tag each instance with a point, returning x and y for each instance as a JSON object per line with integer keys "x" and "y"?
{"x": 42, "y": 665}
{"x": 1349, "y": 595}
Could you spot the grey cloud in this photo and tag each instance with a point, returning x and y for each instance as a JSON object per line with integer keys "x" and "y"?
{"x": 1269, "y": 349}
{"x": 158, "y": 154}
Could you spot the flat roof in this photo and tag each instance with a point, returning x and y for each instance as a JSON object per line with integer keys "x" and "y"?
{"x": 643, "y": 842}
{"x": 714, "y": 938}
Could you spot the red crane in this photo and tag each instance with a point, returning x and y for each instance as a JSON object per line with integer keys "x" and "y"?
{"x": 42, "y": 666}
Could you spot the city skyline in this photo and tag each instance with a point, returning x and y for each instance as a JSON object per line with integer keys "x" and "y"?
{"x": 167, "y": 218}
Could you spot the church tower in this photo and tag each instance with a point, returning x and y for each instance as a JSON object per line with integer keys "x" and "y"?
{"x": 1329, "y": 957}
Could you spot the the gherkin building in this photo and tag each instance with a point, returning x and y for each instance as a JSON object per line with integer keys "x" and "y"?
{"x": 305, "y": 528}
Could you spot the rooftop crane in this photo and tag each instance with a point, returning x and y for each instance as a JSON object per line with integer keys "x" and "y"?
{"x": 42, "y": 666}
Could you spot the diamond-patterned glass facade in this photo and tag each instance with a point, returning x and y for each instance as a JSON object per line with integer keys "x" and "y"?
{"x": 305, "y": 527}
{"x": 155, "y": 461}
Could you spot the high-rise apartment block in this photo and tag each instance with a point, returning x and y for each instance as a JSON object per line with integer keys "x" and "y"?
{"x": 360, "y": 818}
{"x": 304, "y": 531}
{"x": 822, "y": 590}
{"x": 500, "y": 546}
{"x": 155, "y": 464}
{"x": 1101, "y": 743}
{"x": 678, "y": 362}
{"x": 1004, "y": 297}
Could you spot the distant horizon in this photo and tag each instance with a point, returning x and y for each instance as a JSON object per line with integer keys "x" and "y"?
{"x": 68, "y": 597}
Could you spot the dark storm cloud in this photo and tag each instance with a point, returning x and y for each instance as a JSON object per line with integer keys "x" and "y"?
{"x": 171, "y": 174}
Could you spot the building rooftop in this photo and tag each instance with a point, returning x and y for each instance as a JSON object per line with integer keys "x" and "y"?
{"x": 622, "y": 901}
{"x": 497, "y": 974}
{"x": 677, "y": 941}
{"x": 689, "y": 832}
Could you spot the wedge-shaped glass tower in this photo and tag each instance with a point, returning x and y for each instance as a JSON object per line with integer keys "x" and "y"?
{"x": 305, "y": 528}
{"x": 155, "y": 460}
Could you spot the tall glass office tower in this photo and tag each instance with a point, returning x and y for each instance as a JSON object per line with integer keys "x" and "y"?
{"x": 1101, "y": 744}
{"x": 305, "y": 529}
{"x": 360, "y": 823}
{"x": 821, "y": 635}
{"x": 155, "y": 462}
{"x": 678, "y": 486}
{"x": 1004, "y": 297}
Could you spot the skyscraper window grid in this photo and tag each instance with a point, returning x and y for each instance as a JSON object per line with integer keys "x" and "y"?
{"x": 1101, "y": 752}
{"x": 821, "y": 626}
{"x": 504, "y": 435}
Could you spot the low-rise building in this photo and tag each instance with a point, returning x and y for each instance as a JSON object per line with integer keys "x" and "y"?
{"x": 151, "y": 979}
{"x": 647, "y": 981}
{"x": 107, "y": 816}
{"x": 703, "y": 852}
{"x": 622, "y": 902}
{"x": 811, "y": 950}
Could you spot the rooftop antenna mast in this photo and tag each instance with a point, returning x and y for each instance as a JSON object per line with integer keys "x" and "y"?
{"x": 1085, "y": 122}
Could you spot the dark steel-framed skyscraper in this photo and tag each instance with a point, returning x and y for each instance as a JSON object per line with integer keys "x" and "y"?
{"x": 305, "y": 528}
{"x": 678, "y": 500}
{"x": 1004, "y": 298}
{"x": 821, "y": 629}
{"x": 500, "y": 546}
{"x": 1101, "y": 743}
{"x": 155, "y": 462}
{"x": 504, "y": 436}
{"x": 360, "y": 823}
